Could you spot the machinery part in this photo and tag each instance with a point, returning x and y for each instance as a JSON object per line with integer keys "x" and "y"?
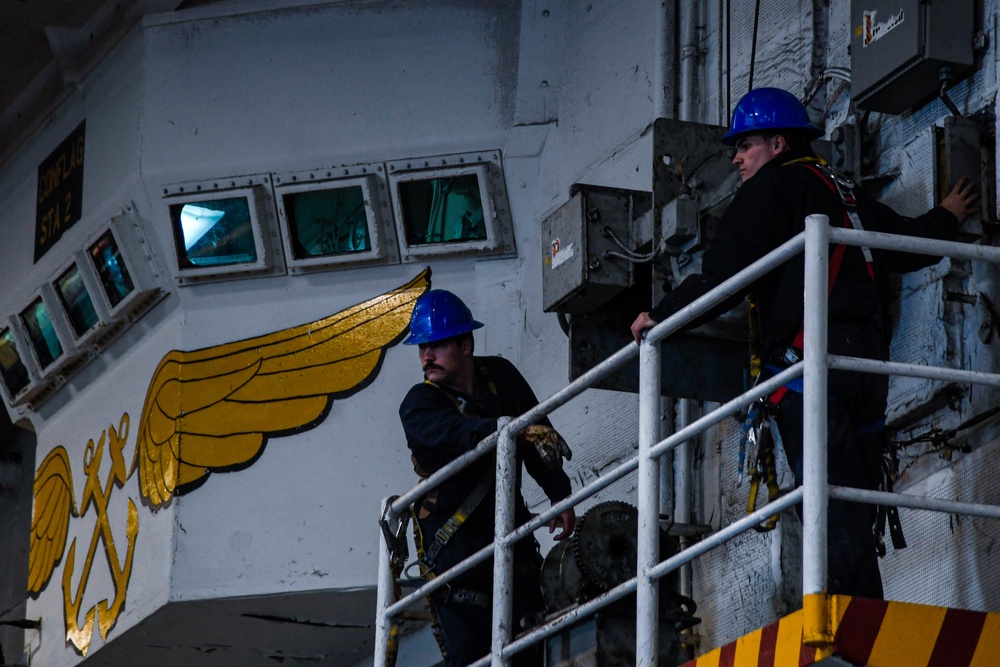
{"x": 605, "y": 543}
{"x": 563, "y": 585}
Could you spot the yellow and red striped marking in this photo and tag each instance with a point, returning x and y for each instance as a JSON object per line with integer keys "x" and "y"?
{"x": 873, "y": 633}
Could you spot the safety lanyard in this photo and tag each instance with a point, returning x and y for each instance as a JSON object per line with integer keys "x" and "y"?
{"x": 843, "y": 188}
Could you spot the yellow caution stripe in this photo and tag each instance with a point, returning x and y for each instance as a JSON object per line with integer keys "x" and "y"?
{"x": 874, "y": 633}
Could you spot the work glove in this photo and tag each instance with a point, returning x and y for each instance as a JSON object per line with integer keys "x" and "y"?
{"x": 548, "y": 443}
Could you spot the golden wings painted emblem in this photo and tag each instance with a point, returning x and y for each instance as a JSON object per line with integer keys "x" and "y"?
{"x": 206, "y": 410}
{"x": 213, "y": 409}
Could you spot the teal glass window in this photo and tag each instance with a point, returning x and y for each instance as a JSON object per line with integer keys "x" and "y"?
{"x": 76, "y": 300}
{"x": 213, "y": 232}
{"x": 442, "y": 210}
{"x": 14, "y": 373}
{"x": 41, "y": 333}
{"x": 111, "y": 269}
{"x": 327, "y": 222}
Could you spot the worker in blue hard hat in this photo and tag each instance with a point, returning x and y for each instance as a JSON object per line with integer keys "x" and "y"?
{"x": 783, "y": 181}
{"x": 445, "y": 416}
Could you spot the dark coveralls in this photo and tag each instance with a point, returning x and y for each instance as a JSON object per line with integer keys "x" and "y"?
{"x": 437, "y": 432}
{"x": 769, "y": 209}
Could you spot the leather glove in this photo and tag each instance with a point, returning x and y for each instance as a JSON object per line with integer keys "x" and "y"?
{"x": 551, "y": 446}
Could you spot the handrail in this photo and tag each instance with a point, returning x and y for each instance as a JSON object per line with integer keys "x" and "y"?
{"x": 814, "y": 493}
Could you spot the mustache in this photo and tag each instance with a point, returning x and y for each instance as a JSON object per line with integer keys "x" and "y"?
{"x": 431, "y": 366}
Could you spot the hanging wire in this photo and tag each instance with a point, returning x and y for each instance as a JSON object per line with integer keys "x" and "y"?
{"x": 753, "y": 47}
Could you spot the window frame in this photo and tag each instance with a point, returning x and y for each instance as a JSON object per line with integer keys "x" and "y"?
{"x": 371, "y": 178}
{"x": 487, "y": 166}
{"x": 36, "y": 384}
{"x": 139, "y": 262}
{"x": 63, "y": 364}
{"x": 258, "y": 192}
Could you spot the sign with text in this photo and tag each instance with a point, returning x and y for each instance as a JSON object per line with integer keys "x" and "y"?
{"x": 60, "y": 192}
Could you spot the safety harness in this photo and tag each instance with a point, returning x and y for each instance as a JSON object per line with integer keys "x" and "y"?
{"x": 756, "y": 426}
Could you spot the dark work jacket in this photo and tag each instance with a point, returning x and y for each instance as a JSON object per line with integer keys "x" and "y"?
{"x": 769, "y": 209}
{"x": 437, "y": 432}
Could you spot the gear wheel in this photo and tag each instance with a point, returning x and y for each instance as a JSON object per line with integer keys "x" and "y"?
{"x": 605, "y": 543}
{"x": 563, "y": 585}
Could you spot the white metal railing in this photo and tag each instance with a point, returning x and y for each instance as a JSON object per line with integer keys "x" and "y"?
{"x": 814, "y": 493}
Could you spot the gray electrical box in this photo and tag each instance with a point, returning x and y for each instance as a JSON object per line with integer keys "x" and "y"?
{"x": 898, "y": 48}
{"x": 584, "y": 244}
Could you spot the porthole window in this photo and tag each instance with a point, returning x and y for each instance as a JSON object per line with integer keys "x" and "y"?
{"x": 222, "y": 229}
{"x": 41, "y": 333}
{"x": 334, "y": 218}
{"x": 12, "y": 369}
{"x": 75, "y": 299}
{"x": 451, "y": 205}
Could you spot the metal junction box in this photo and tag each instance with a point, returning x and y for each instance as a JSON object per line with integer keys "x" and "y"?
{"x": 583, "y": 243}
{"x": 898, "y": 48}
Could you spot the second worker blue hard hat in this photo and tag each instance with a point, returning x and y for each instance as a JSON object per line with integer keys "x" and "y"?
{"x": 438, "y": 315}
{"x": 769, "y": 110}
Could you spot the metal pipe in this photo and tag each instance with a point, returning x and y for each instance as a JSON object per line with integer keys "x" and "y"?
{"x": 838, "y": 362}
{"x": 664, "y": 32}
{"x": 914, "y": 244}
{"x": 689, "y": 12}
{"x": 814, "y": 476}
{"x": 914, "y": 502}
{"x": 503, "y": 551}
{"x": 383, "y": 595}
{"x": 648, "y": 546}
{"x": 748, "y": 522}
{"x": 682, "y": 487}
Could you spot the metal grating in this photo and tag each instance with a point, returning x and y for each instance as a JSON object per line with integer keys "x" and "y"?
{"x": 951, "y": 560}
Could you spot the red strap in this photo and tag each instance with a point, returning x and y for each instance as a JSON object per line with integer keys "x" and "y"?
{"x": 835, "y": 261}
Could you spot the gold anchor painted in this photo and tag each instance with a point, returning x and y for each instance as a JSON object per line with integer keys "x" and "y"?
{"x": 107, "y": 615}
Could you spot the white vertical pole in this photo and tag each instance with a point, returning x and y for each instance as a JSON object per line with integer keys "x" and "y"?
{"x": 814, "y": 474}
{"x": 384, "y": 597}
{"x": 503, "y": 553}
{"x": 682, "y": 487}
{"x": 647, "y": 588}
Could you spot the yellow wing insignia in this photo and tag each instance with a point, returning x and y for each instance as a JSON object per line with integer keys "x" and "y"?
{"x": 54, "y": 504}
{"x": 213, "y": 409}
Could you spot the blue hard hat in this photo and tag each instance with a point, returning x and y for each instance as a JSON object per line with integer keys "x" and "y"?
{"x": 438, "y": 315}
{"x": 769, "y": 110}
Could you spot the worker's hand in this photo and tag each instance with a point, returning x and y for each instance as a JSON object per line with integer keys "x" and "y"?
{"x": 551, "y": 446}
{"x": 643, "y": 322}
{"x": 567, "y": 520}
{"x": 962, "y": 201}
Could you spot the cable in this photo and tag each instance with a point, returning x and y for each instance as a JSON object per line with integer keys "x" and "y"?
{"x": 626, "y": 253}
{"x": 753, "y": 47}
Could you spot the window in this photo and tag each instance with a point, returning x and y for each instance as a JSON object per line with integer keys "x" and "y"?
{"x": 111, "y": 268}
{"x": 12, "y": 369}
{"x": 222, "y": 229}
{"x": 41, "y": 333}
{"x": 453, "y": 204}
{"x": 75, "y": 298}
{"x": 334, "y": 220}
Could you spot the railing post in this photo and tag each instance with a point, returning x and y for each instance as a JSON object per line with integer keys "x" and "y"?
{"x": 816, "y": 626}
{"x": 647, "y": 588}
{"x": 503, "y": 553}
{"x": 384, "y": 596}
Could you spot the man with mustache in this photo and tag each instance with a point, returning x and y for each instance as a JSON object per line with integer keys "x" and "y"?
{"x": 445, "y": 416}
{"x": 783, "y": 182}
